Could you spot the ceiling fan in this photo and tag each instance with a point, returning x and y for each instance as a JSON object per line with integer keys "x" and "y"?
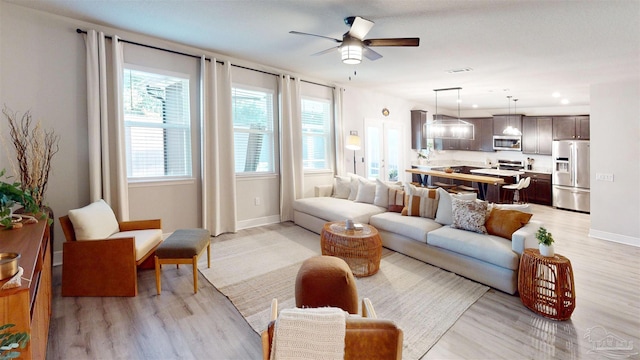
{"x": 353, "y": 45}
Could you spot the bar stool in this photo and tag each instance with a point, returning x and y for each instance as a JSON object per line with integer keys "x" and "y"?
{"x": 512, "y": 187}
{"x": 524, "y": 193}
{"x": 465, "y": 188}
{"x": 447, "y": 187}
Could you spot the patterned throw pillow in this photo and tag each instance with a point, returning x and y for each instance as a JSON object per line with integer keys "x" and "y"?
{"x": 504, "y": 223}
{"x": 422, "y": 202}
{"x": 396, "y": 200}
{"x": 469, "y": 215}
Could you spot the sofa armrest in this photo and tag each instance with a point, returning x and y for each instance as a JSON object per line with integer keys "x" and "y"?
{"x": 140, "y": 225}
{"x": 525, "y": 237}
{"x": 323, "y": 190}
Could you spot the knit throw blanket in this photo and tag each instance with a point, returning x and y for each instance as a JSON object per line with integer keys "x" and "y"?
{"x": 310, "y": 333}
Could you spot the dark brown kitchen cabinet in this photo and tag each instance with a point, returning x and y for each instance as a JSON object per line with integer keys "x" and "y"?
{"x": 418, "y": 129}
{"x": 485, "y": 134}
{"x": 539, "y": 190}
{"x": 571, "y": 128}
{"x": 537, "y": 135}
{"x": 482, "y": 140}
{"x": 446, "y": 144}
{"x": 501, "y": 122}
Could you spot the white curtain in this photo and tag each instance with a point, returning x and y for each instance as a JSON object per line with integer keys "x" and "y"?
{"x": 291, "y": 166}
{"x": 103, "y": 143}
{"x": 218, "y": 167}
{"x": 339, "y": 133}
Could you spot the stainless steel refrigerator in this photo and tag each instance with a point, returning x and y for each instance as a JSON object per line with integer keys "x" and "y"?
{"x": 571, "y": 175}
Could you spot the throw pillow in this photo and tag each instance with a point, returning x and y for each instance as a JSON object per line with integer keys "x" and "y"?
{"x": 366, "y": 191}
{"x": 444, "y": 214}
{"x": 353, "y": 186}
{"x": 504, "y": 223}
{"x": 423, "y": 203}
{"x": 396, "y": 200}
{"x": 469, "y": 215}
{"x": 95, "y": 221}
{"x": 382, "y": 192}
{"x": 342, "y": 187}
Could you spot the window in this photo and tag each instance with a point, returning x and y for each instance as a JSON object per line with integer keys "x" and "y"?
{"x": 253, "y": 121}
{"x": 316, "y": 134}
{"x": 157, "y": 125}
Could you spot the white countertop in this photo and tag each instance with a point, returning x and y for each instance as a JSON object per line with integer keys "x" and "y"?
{"x": 497, "y": 172}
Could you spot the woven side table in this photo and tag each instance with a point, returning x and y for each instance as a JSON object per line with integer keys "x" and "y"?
{"x": 546, "y": 284}
{"x": 360, "y": 249}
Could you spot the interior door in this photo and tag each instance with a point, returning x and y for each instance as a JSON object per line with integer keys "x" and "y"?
{"x": 383, "y": 139}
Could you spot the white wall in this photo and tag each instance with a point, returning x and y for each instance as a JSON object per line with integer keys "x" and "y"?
{"x": 615, "y": 149}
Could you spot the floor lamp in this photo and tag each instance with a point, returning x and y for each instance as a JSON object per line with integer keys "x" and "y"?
{"x": 353, "y": 143}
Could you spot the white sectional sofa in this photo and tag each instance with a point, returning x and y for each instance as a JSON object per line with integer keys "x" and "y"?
{"x": 485, "y": 258}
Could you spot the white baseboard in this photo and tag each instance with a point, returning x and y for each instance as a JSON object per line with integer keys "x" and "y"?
{"x": 622, "y": 239}
{"x": 245, "y": 224}
{"x": 57, "y": 258}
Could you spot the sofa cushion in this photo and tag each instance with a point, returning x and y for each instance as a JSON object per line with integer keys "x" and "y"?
{"x": 444, "y": 215}
{"x": 489, "y": 248}
{"x": 381, "y": 197}
{"x": 415, "y": 228}
{"x": 145, "y": 240}
{"x": 353, "y": 192}
{"x": 342, "y": 187}
{"x": 504, "y": 223}
{"x": 95, "y": 221}
{"x": 469, "y": 215}
{"x": 332, "y": 209}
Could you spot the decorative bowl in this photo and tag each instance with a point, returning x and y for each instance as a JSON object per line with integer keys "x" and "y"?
{"x": 8, "y": 265}
{"x": 448, "y": 170}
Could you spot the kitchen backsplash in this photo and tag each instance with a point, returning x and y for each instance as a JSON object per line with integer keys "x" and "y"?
{"x": 541, "y": 163}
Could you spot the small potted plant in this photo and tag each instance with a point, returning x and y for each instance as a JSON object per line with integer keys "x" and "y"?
{"x": 545, "y": 242}
{"x": 11, "y": 194}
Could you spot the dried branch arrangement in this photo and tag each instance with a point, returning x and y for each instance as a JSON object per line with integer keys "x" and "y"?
{"x": 35, "y": 148}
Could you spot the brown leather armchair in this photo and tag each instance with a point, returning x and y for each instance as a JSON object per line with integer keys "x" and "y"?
{"x": 104, "y": 267}
{"x": 366, "y": 337}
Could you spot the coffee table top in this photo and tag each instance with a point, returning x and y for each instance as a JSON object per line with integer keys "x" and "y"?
{"x": 339, "y": 228}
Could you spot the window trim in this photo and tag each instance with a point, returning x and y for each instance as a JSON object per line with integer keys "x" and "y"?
{"x": 329, "y": 137}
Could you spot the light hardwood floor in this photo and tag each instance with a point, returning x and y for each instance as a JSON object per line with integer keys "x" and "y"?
{"x": 181, "y": 325}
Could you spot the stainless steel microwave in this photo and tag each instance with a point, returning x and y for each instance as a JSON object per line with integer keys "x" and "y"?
{"x": 507, "y": 142}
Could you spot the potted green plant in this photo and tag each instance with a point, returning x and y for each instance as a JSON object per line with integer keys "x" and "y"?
{"x": 545, "y": 242}
{"x": 11, "y": 193}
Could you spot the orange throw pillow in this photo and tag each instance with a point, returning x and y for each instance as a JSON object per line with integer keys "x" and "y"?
{"x": 504, "y": 223}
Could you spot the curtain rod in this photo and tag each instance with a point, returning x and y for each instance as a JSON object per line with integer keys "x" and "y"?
{"x": 80, "y": 31}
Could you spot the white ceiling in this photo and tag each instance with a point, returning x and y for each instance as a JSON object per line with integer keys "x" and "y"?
{"x": 527, "y": 49}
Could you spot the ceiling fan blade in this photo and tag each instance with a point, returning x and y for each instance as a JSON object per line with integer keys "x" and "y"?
{"x": 392, "y": 42}
{"x": 320, "y": 36}
{"x": 370, "y": 54}
{"x": 360, "y": 27}
{"x": 326, "y": 51}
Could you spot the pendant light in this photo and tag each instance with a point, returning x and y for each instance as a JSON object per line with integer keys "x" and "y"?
{"x": 510, "y": 130}
{"x": 449, "y": 128}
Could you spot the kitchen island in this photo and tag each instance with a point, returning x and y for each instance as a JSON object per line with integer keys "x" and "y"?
{"x": 482, "y": 181}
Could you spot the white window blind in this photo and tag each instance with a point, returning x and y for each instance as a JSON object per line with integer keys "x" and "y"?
{"x": 316, "y": 134}
{"x": 157, "y": 125}
{"x": 253, "y": 124}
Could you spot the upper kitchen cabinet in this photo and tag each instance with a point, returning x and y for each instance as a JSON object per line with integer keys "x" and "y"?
{"x": 501, "y": 122}
{"x": 483, "y": 135}
{"x": 536, "y": 135}
{"x": 418, "y": 129}
{"x": 571, "y": 128}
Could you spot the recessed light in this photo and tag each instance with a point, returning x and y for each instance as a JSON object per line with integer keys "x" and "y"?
{"x": 455, "y": 71}
{"x": 556, "y": 94}
{"x": 474, "y": 106}
{"x": 564, "y": 101}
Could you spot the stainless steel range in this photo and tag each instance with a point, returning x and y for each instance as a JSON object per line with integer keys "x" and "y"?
{"x": 514, "y": 165}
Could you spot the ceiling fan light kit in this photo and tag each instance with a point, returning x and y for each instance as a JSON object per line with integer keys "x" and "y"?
{"x": 353, "y": 45}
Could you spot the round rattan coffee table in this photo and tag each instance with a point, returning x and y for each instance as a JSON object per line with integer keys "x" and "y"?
{"x": 360, "y": 249}
{"x": 546, "y": 284}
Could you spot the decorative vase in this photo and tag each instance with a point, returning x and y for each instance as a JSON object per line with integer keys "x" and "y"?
{"x": 546, "y": 250}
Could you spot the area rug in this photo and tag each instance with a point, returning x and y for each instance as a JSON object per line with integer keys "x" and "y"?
{"x": 423, "y": 300}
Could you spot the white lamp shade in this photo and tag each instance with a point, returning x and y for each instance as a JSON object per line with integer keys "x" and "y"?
{"x": 353, "y": 142}
{"x": 351, "y": 53}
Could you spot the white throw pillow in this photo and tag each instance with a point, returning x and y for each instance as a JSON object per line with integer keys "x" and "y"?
{"x": 444, "y": 215}
{"x": 366, "y": 191}
{"x": 95, "y": 221}
{"x": 342, "y": 187}
{"x": 354, "y": 185}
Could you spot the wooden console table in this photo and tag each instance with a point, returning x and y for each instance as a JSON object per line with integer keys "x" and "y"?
{"x": 29, "y": 306}
{"x": 482, "y": 181}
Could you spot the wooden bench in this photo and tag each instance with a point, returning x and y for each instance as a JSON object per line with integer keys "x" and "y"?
{"x": 183, "y": 247}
